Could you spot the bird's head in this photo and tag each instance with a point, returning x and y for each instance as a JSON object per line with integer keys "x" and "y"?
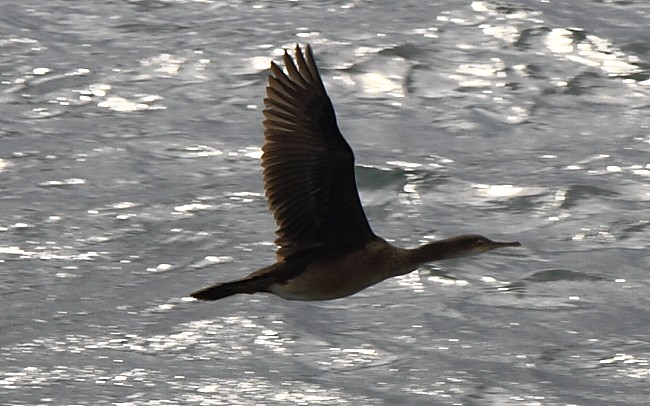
{"x": 473, "y": 244}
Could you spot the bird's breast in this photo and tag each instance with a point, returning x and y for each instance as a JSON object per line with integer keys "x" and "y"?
{"x": 343, "y": 275}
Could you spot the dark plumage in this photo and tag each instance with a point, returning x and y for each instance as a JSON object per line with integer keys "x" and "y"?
{"x": 327, "y": 249}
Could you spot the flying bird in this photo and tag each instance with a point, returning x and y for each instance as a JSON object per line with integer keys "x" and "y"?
{"x": 326, "y": 248}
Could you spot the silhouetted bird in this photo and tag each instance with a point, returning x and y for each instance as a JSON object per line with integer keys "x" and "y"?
{"x": 327, "y": 249}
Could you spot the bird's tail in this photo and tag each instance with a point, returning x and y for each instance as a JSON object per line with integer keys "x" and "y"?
{"x": 219, "y": 291}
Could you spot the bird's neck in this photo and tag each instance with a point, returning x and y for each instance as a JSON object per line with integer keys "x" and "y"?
{"x": 434, "y": 251}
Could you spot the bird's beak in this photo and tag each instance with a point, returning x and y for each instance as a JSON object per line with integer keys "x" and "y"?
{"x": 500, "y": 244}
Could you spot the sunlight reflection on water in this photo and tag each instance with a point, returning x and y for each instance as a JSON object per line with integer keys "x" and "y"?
{"x": 130, "y": 175}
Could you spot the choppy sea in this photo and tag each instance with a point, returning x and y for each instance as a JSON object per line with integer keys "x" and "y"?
{"x": 130, "y": 135}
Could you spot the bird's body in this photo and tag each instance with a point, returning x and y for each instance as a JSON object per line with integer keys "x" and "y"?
{"x": 321, "y": 278}
{"x": 327, "y": 249}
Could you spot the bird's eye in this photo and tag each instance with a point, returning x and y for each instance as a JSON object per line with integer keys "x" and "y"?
{"x": 480, "y": 243}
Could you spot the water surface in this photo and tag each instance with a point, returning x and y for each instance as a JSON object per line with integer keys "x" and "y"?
{"x": 129, "y": 169}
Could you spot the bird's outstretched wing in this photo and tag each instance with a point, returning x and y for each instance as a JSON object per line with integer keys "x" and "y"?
{"x": 308, "y": 165}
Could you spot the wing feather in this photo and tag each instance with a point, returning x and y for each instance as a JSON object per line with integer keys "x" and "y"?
{"x": 308, "y": 165}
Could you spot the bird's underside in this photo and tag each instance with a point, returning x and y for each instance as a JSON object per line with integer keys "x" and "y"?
{"x": 323, "y": 277}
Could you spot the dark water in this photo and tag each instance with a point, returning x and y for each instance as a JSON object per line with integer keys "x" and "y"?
{"x": 129, "y": 177}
